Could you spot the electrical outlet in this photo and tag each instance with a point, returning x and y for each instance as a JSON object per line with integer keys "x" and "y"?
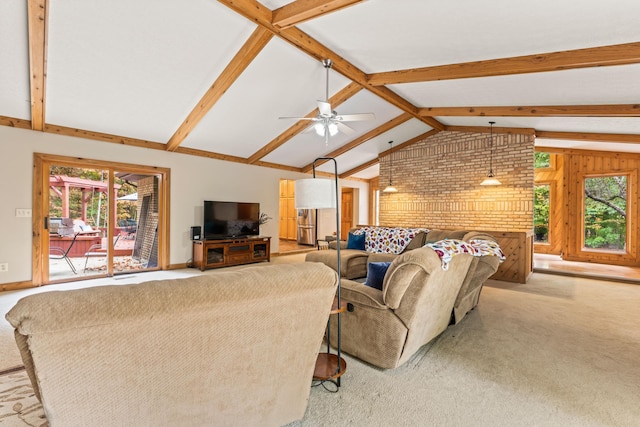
{"x": 4, "y": 266}
{"x": 23, "y": 213}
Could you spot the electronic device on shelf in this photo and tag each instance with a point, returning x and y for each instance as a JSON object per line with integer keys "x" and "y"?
{"x": 225, "y": 220}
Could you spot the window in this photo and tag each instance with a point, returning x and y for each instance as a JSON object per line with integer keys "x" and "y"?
{"x": 541, "y": 213}
{"x": 605, "y": 213}
{"x": 541, "y": 160}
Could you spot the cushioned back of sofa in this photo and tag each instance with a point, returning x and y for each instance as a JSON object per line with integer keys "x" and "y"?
{"x": 148, "y": 354}
{"x": 436, "y": 234}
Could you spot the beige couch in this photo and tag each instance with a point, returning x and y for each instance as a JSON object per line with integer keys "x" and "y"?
{"x": 226, "y": 348}
{"x": 385, "y": 328}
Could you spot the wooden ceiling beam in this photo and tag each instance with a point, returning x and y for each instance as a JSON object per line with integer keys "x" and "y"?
{"x": 619, "y": 110}
{"x": 105, "y": 137}
{"x": 337, "y": 99}
{"x": 359, "y": 168}
{"x": 247, "y": 53}
{"x": 261, "y": 15}
{"x": 303, "y": 10}
{"x": 589, "y": 137}
{"x": 37, "y": 17}
{"x": 496, "y": 129}
{"x": 15, "y": 122}
{"x": 362, "y": 139}
{"x": 621, "y": 54}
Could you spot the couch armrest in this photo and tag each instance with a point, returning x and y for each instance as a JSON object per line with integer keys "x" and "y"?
{"x": 334, "y": 243}
{"x": 361, "y": 294}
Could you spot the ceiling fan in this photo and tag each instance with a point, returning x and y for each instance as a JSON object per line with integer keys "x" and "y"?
{"x": 328, "y": 122}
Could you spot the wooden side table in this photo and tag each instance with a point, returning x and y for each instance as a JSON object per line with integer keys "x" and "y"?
{"x": 330, "y": 366}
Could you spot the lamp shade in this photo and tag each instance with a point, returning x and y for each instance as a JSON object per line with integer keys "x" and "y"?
{"x": 390, "y": 189}
{"x": 315, "y": 194}
{"x": 491, "y": 181}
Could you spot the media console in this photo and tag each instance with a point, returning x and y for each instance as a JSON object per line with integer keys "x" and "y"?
{"x": 227, "y": 252}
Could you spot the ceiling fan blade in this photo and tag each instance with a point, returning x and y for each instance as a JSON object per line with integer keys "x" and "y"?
{"x": 325, "y": 108}
{"x": 355, "y": 117}
{"x": 345, "y": 129}
{"x": 299, "y": 118}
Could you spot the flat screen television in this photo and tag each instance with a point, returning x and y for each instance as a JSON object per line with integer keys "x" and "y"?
{"x": 223, "y": 220}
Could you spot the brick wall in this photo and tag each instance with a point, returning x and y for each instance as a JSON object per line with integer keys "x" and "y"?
{"x": 438, "y": 182}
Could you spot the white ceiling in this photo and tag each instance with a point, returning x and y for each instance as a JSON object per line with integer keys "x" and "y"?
{"x": 137, "y": 69}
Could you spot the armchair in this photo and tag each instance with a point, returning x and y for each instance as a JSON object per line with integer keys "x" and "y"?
{"x": 386, "y": 327}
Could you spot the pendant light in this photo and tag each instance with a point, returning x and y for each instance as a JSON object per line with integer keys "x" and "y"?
{"x": 491, "y": 179}
{"x": 390, "y": 188}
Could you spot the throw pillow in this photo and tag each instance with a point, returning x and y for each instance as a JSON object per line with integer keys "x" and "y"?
{"x": 375, "y": 274}
{"x": 356, "y": 241}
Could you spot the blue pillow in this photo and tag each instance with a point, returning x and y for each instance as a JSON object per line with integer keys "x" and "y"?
{"x": 356, "y": 241}
{"x": 375, "y": 274}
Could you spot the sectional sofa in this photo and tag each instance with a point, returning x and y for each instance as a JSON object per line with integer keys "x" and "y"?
{"x": 384, "y": 244}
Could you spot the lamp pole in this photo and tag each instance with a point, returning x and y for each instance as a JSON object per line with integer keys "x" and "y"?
{"x": 338, "y": 299}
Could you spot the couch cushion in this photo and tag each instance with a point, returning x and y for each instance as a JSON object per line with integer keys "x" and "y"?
{"x": 416, "y": 242}
{"x": 375, "y": 274}
{"x": 356, "y": 241}
{"x": 435, "y": 235}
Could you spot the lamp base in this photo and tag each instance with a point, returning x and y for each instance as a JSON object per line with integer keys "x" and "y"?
{"x": 329, "y": 367}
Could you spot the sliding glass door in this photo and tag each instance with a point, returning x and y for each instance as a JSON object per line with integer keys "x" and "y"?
{"x": 94, "y": 219}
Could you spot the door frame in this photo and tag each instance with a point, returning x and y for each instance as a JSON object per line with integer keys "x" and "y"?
{"x": 40, "y": 203}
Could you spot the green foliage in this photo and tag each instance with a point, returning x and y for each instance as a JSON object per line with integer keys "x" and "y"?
{"x": 541, "y": 160}
{"x": 541, "y": 212}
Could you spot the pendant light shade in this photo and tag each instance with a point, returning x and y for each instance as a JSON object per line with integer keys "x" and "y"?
{"x": 390, "y": 188}
{"x": 491, "y": 179}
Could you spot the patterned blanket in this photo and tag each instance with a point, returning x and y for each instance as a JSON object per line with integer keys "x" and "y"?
{"x": 448, "y": 248}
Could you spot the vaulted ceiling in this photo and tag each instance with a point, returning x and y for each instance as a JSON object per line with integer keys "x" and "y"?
{"x": 212, "y": 78}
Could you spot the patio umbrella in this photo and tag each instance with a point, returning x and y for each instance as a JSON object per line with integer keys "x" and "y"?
{"x": 132, "y": 197}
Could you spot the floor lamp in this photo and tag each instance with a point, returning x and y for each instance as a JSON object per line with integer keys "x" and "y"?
{"x": 323, "y": 194}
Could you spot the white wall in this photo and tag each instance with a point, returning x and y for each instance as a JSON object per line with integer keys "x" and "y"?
{"x": 193, "y": 179}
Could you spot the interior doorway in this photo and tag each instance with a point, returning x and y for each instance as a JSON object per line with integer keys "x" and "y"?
{"x": 97, "y": 219}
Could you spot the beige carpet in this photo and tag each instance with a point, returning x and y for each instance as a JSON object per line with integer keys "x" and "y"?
{"x": 558, "y": 351}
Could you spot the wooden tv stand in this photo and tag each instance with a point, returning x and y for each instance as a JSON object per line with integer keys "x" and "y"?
{"x": 227, "y": 252}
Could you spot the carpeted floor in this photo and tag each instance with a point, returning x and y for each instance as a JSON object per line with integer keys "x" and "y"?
{"x": 558, "y": 351}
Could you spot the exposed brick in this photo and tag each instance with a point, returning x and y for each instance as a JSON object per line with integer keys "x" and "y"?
{"x": 438, "y": 180}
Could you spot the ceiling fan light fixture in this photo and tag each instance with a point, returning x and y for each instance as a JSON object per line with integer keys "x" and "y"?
{"x": 333, "y": 129}
{"x": 319, "y": 127}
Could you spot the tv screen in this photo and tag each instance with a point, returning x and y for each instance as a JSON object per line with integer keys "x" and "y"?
{"x": 231, "y": 219}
